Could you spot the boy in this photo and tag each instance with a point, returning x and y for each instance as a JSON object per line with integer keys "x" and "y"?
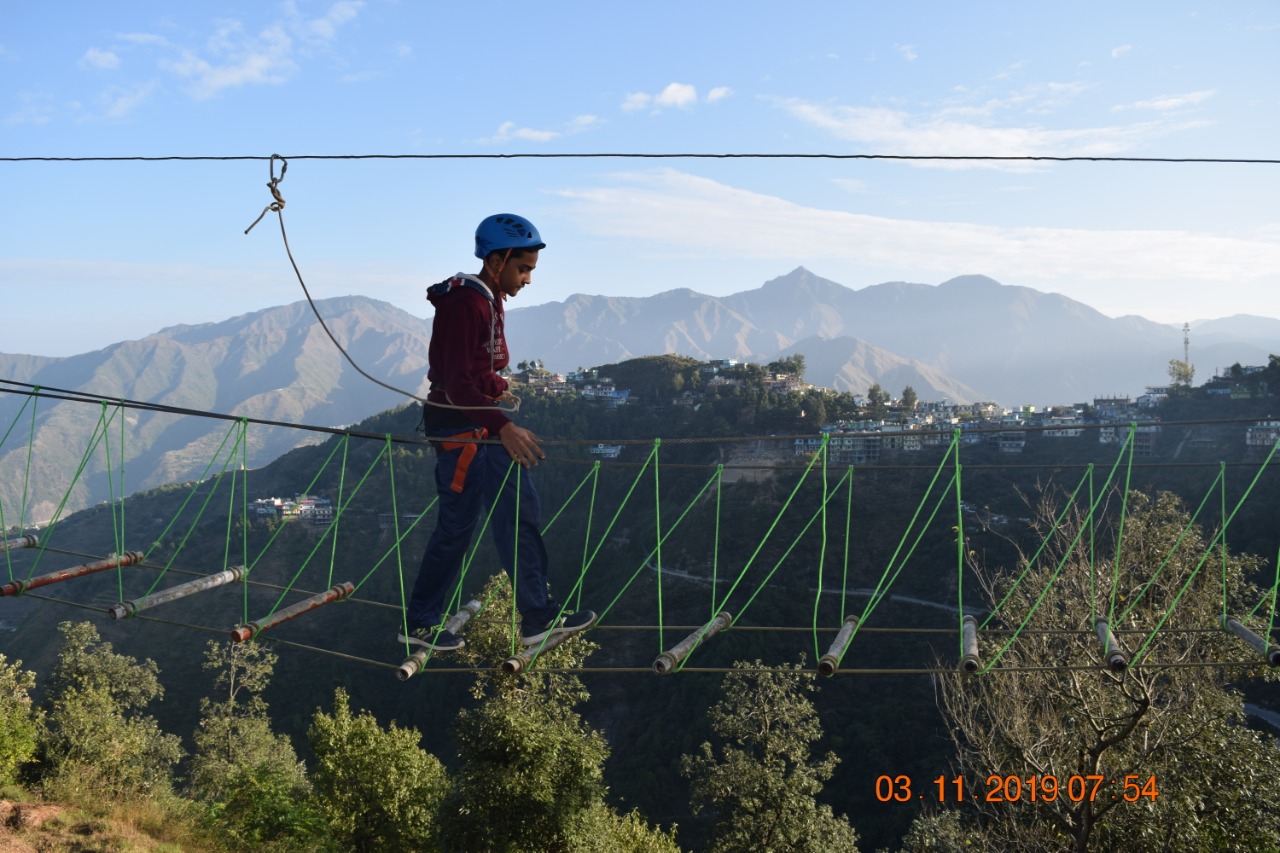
{"x": 468, "y": 348}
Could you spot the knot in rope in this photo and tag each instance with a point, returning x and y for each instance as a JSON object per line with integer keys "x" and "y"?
{"x": 274, "y": 185}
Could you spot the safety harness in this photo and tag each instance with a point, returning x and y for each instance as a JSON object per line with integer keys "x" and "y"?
{"x": 468, "y": 448}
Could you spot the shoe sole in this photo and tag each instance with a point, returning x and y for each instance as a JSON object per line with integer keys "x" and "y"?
{"x": 558, "y": 630}
{"x": 428, "y": 646}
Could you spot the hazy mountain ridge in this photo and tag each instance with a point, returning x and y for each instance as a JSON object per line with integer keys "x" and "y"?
{"x": 275, "y": 364}
{"x": 969, "y": 338}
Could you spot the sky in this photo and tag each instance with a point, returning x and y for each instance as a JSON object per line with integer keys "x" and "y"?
{"x": 101, "y": 251}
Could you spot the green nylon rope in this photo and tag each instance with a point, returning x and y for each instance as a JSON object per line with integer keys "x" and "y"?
{"x": 670, "y": 530}
{"x": 750, "y": 561}
{"x": 1222, "y": 510}
{"x": 95, "y": 439}
{"x": 822, "y": 553}
{"x": 604, "y": 537}
{"x": 1220, "y": 536}
{"x": 331, "y": 528}
{"x": 342, "y": 485}
{"x": 199, "y": 513}
{"x": 715, "y": 544}
{"x": 818, "y": 513}
{"x": 657, "y": 528}
{"x": 1087, "y": 477}
{"x": 1066, "y": 556}
{"x": 1174, "y": 549}
{"x": 4, "y": 527}
{"x": 591, "y": 515}
{"x": 871, "y": 603}
{"x": 1124, "y": 512}
{"x": 882, "y": 591}
{"x": 848, "y": 529}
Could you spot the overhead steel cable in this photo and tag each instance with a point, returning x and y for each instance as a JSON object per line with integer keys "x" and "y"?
{"x": 633, "y": 155}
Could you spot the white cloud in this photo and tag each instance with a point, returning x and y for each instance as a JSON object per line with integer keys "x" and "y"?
{"x": 907, "y": 52}
{"x": 708, "y": 219}
{"x": 36, "y": 109}
{"x": 583, "y": 122}
{"x": 1117, "y": 52}
{"x": 119, "y": 103}
{"x": 1168, "y": 102}
{"x": 325, "y": 28}
{"x": 951, "y": 132}
{"x": 636, "y": 101}
{"x": 239, "y": 60}
{"x": 677, "y": 95}
{"x": 509, "y": 130}
{"x": 94, "y": 58}
{"x": 681, "y": 95}
{"x": 402, "y": 50}
{"x": 719, "y": 93}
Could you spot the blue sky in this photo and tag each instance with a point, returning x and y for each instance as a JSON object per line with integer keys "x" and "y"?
{"x": 92, "y": 253}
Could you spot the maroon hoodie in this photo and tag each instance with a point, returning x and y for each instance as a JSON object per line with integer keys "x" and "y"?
{"x": 468, "y": 348}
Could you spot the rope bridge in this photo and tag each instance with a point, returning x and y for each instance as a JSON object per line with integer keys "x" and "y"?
{"x": 817, "y": 513}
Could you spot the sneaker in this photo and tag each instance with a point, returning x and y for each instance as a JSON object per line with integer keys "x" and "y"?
{"x": 432, "y": 638}
{"x": 569, "y": 624}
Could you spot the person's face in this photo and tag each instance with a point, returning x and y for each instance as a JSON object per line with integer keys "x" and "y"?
{"x": 517, "y": 274}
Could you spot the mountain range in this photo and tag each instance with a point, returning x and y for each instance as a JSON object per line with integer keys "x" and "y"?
{"x": 967, "y": 339}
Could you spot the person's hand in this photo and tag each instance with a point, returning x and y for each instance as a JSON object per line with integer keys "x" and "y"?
{"x": 521, "y": 445}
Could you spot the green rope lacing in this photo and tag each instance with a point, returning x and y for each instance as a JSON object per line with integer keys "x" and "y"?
{"x": 715, "y": 544}
{"x": 1219, "y": 536}
{"x": 848, "y": 526}
{"x": 99, "y": 432}
{"x": 1066, "y": 556}
{"x": 331, "y": 528}
{"x": 657, "y": 528}
{"x": 1222, "y": 513}
{"x": 586, "y": 534}
{"x": 768, "y": 533}
{"x": 764, "y": 582}
{"x": 715, "y": 478}
{"x": 195, "y": 488}
{"x": 881, "y": 588}
{"x": 725, "y": 599}
{"x": 342, "y": 484}
{"x": 822, "y": 552}
{"x": 604, "y": 537}
{"x": 1124, "y": 512}
{"x": 1173, "y": 550}
{"x": 243, "y": 439}
{"x": 117, "y": 513}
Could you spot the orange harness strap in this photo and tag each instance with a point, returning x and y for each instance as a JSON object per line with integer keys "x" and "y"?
{"x": 468, "y": 449}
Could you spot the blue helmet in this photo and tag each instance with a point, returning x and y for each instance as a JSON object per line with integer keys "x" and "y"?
{"x": 506, "y": 231}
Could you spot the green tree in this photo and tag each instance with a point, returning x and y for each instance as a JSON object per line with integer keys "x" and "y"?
{"x": 251, "y": 777}
{"x": 762, "y": 783}
{"x": 531, "y": 772}
{"x": 877, "y": 401}
{"x": 793, "y": 364}
{"x": 19, "y": 720}
{"x": 98, "y": 743}
{"x": 378, "y": 790}
{"x": 1181, "y": 372}
{"x": 909, "y": 399}
{"x": 1169, "y": 720}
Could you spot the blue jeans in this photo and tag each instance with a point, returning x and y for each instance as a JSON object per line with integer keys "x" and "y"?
{"x": 457, "y": 516}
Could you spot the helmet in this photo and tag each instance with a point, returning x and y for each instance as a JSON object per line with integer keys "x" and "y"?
{"x": 506, "y": 231}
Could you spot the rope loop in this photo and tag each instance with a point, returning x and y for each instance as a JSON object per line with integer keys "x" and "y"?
{"x": 274, "y": 185}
